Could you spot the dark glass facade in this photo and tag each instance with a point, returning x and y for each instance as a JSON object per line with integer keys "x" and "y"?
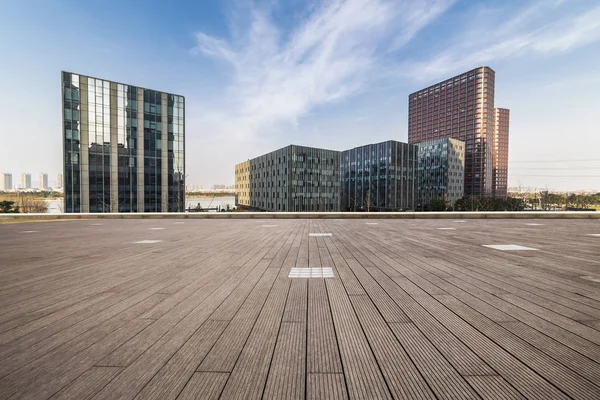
{"x": 123, "y": 147}
{"x": 294, "y": 178}
{"x": 441, "y": 171}
{"x": 379, "y": 177}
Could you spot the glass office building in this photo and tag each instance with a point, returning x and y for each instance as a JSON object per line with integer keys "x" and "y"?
{"x": 293, "y": 178}
{"x": 123, "y": 147}
{"x": 379, "y": 177}
{"x": 441, "y": 171}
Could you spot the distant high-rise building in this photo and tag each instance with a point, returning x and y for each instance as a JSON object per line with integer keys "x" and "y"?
{"x": 59, "y": 180}
{"x": 379, "y": 177}
{"x": 500, "y": 173}
{"x": 43, "y": 181}
{"x": 123, "y": 147}
{"x": 25, "y": 181}
{"x": 462, "y": 108}
{"x": 441, "y": 171}
{"x": 6, "y": 181}
{"x": 294, "y": 178}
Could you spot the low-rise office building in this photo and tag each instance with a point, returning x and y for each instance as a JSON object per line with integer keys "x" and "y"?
{"x": 242, "y": 184}
{"x": 441, "y": 171}
{"x": 293, "y": 178}
{"x": 379, "y": 177}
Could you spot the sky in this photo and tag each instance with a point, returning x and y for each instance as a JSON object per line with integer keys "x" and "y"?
{"x": 259, "y": 75}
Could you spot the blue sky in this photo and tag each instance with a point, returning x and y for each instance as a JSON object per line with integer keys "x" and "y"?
{"x": 258, "y": 75}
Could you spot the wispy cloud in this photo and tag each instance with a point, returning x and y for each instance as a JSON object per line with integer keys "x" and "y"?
{"x": 280, "y": 73}
{"x": 539, "y": 28}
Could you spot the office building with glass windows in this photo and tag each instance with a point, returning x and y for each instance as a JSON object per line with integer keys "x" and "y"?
{"x": 462, "y": 108}
{"x": 293, "y": 178}
{"x": 124, "y": 147}
{"x": 379, "y": 177}
{"x": 441, "y": 171}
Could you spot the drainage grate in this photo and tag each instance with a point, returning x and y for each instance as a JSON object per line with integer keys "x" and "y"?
{"x": 311, "y": 273}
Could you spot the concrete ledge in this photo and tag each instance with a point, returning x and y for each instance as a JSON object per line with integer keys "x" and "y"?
{"x": 311, "y": 215}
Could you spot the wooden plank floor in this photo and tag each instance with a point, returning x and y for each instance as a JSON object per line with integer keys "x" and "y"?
{"x": 204, "y": 309}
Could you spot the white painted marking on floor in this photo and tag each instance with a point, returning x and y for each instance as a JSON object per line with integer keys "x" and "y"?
{"x": 446, "y": 229}
{"x": 96, "y": 224}
{"x": 311, "y": 273}
{"x": 155, "y": 229}
{"x": 460, "y": 221}
{"x": 508, "y": 247}
{"x": 29, "y": 231}
{"x": 533, "y": 224}
{"x": 372, "y": 223}
{"x": 591, "y": 278}
{"x": 594, "y": 234}
{"x": 319, "y": 234}
{"x": 147, "y": 241}
{"x": 268, "y": 226}
{"x": 180, "y": 223}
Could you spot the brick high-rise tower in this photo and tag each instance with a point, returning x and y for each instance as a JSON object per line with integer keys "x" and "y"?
{"x": 462, "y": 108}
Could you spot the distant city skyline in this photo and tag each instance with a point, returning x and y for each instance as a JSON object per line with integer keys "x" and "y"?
{"x": 258, "y": 75}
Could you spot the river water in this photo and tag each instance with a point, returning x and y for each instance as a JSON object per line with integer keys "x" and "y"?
{"x": 55, "y": 206}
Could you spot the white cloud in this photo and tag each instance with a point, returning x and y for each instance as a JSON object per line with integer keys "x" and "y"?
{"x": 526, "y": 32}
{"x": 281, "y": 73}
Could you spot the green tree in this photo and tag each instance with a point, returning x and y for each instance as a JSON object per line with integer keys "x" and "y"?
{"x": 8, "y": 207}
{"x": 438, "y": 205}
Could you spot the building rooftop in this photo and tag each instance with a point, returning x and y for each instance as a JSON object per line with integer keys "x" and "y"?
{"x": 415, "y": 309}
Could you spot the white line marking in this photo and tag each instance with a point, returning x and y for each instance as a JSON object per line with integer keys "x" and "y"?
{"x": 508, "y": 247}
{"x": 148, "y": 241}
{"x": 155, "y": 229}
{"x": 326, "y": 272}
{"x": 29, "y": 231}
{"x": 446, "y": 229}
{"x": 372, "y": 223}
{"x": 594, "y": 234}
{"x": 319, "y": 234}
{"x": 590, "y": 278}
{"x": 180, "y": 222}
{"x": 268, "y": 226}
{"x": 460, "y": 221}
{"x": 96, "y": 224}
{"x": 533, "y": 224}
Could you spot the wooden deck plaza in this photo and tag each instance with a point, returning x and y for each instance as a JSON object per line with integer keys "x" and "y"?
{"x": 416, "y": 309}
